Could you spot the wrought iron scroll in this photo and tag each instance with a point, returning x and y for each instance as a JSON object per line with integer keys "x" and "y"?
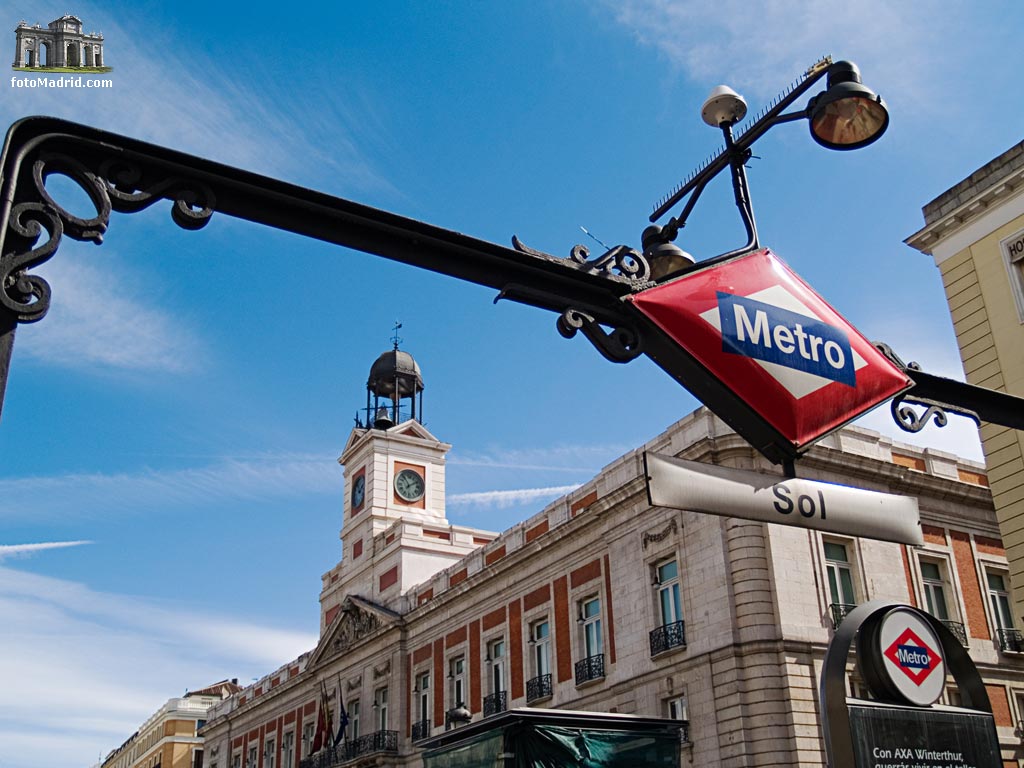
{"x": 112, "y": 183}
{"x": 620, "y": 259}
{"x": 619, "y": 345}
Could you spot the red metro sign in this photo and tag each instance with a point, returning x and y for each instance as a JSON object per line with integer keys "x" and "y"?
{"x": 765, "y": 336}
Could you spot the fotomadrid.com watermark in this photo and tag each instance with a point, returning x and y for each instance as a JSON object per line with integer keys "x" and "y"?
{"x": 61, "y": 81}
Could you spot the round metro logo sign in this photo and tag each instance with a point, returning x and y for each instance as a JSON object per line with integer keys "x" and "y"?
{"x": 911, "y": 657}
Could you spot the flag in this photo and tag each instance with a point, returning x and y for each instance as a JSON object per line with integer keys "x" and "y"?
{"x": 323, "y": 723}
{"x": 342, "y": 720}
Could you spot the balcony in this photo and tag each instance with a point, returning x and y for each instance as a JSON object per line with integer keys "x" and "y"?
{"x": 538, "y": 687}
{"x": 958, "y": 630}
{"x": 325, "y": 758}
{"x": 839, "y": 612}
{"x": 1011, "y": 641}
{"x": 495, "y": 703}
{"x": 370, "y": 744}
{"x": 420, "y": 730}
{"x": 684, "y": 732}
{"x": 590, "y": 668}
{"x": 668, "y": 637}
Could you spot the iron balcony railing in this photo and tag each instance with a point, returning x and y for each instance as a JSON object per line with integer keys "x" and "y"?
{"x": 590, "y": 668}
{"x": 839, "y": 612}
{"x": 371, "y": 743}
{"x": 420, "y": 730}
{"x": 958, "y": 630}
{"x": 1011, "y": 640}
{"x": 495, "y": 703}
{"x": 538, "y": 687}
{"x": 667, "y": 637}
{"x": 325, "y": 758}
{"x": 684, "y": 731}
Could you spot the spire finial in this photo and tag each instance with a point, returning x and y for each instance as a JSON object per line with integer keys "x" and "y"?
{"x": 395, "y": 338}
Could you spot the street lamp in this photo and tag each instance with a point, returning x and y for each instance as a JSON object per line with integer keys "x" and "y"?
{"x": 846, "y": 115}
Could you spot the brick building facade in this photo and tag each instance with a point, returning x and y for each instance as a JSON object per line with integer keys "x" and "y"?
{"x": 602, "y": 603}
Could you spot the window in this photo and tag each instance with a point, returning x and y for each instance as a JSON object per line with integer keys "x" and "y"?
{"x": 423, "y": 691}
{"x": 353, "y": 718}
{"x": 677, "y": 709}
{"x": 269, "y": 753}
{"x": 288, "y": 749}
{"x": 380, "y": 705}
{"x": 307, "y": 739}
{"x": 590, "y": 614}
{"x": 999, "y": 598}
{"x": 236, "y": 760}
{"x": 1013, "y": 257}
{"x": 540, "y": 633}
{"x": 456, "y": 674}
{"x": 667, "y": 581}
{"x": 840, "y": 574}
{"x": 934, "y": 590}
{"x": 496, "y": 653}
{"x": 251, "y": 762}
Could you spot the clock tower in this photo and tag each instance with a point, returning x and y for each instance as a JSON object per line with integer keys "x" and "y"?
{"x": 394, "y": 531}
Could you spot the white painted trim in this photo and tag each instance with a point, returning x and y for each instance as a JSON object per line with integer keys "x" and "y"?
{"x": 981, "y": 227}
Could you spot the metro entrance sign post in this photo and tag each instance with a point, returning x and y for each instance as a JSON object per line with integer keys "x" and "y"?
{"x": 775, "y": 343}
{"x": 815, "y": 371}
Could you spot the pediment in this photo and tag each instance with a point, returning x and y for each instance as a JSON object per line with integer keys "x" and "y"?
{"x": 357, "y": 620}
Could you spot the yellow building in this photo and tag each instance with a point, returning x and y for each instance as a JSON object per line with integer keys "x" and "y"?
{"x": 168, "y": 738}
{"x": 975, "y": 233}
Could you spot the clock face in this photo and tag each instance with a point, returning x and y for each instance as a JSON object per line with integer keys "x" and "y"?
{"x": 358, "y": 491}
{"x": 409, "y": 485}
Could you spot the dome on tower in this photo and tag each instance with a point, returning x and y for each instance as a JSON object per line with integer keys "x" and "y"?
{"x": 395, "y": 374}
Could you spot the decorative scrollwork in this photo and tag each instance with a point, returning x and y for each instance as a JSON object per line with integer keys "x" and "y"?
{"x": 654, "y": 538}
{"x": 116, "y": 185}
{"x": 621, "y": 259}
{"x": 620, "y": 345}
{"x": 910, "y": 421}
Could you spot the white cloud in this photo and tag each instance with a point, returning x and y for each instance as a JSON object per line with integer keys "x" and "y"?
{"x": 95, "y": 321}
{"x": 504, "y": 499}
{"x": 284, "y": 476}
{"x": 23, "y": 550}
{"x": 558, "y": 458}
{"x": 758, "y": 49}
{"x": 82, "y": 669}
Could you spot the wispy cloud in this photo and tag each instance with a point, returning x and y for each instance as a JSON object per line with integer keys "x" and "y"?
{"x": 285, "y": 476}
{"x": 115, "y": 661}
{"x": 558, "y": 458}
{"x": 185, "y": 99}
{"x": 95, "y": 322}
{"x": 505, "y": 499}
{"x": 760, "y": 50}
{"x": 23, "y": 550}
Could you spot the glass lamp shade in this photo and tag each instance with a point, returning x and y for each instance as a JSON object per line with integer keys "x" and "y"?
{"x": 847, "y": 116}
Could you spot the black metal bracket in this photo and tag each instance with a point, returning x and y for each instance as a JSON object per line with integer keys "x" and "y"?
{"x": 587, "y": 293}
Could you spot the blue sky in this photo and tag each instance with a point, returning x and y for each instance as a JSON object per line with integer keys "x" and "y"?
{"x": 174, "y": 423}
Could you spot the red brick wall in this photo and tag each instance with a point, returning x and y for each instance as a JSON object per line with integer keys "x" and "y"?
{"x": 421, "y": 654}
{"x": 563, "y": 645}
{"x": 537, "y": 530}
{"x": 456, "y": 577}
{"x": 580, "y": 504}
{"x": 934, "y": 535}
{"x": 1000, "y": 704}
{"x": 357, "y": 548}
{"x": 423, "y": 597}
{"x": 583, "y": 574}
{"x": 494, "y": 618}
{"x": 515, "y": 645}
{"x": 537, "y": 597}
{"x": 974, "y": 602}
{"x": 331, "y": 613}
{"x": 494, "y": 555}
{"x": 455, "y": 637}
{"x": 438, "y": 681}
{"x": 475, "y": 701}
{"x": 389, "y": 577}
{"x": 989, "y": 546}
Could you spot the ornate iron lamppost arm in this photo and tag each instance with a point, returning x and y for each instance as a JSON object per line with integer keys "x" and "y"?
{"x": 126, "y": 175}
